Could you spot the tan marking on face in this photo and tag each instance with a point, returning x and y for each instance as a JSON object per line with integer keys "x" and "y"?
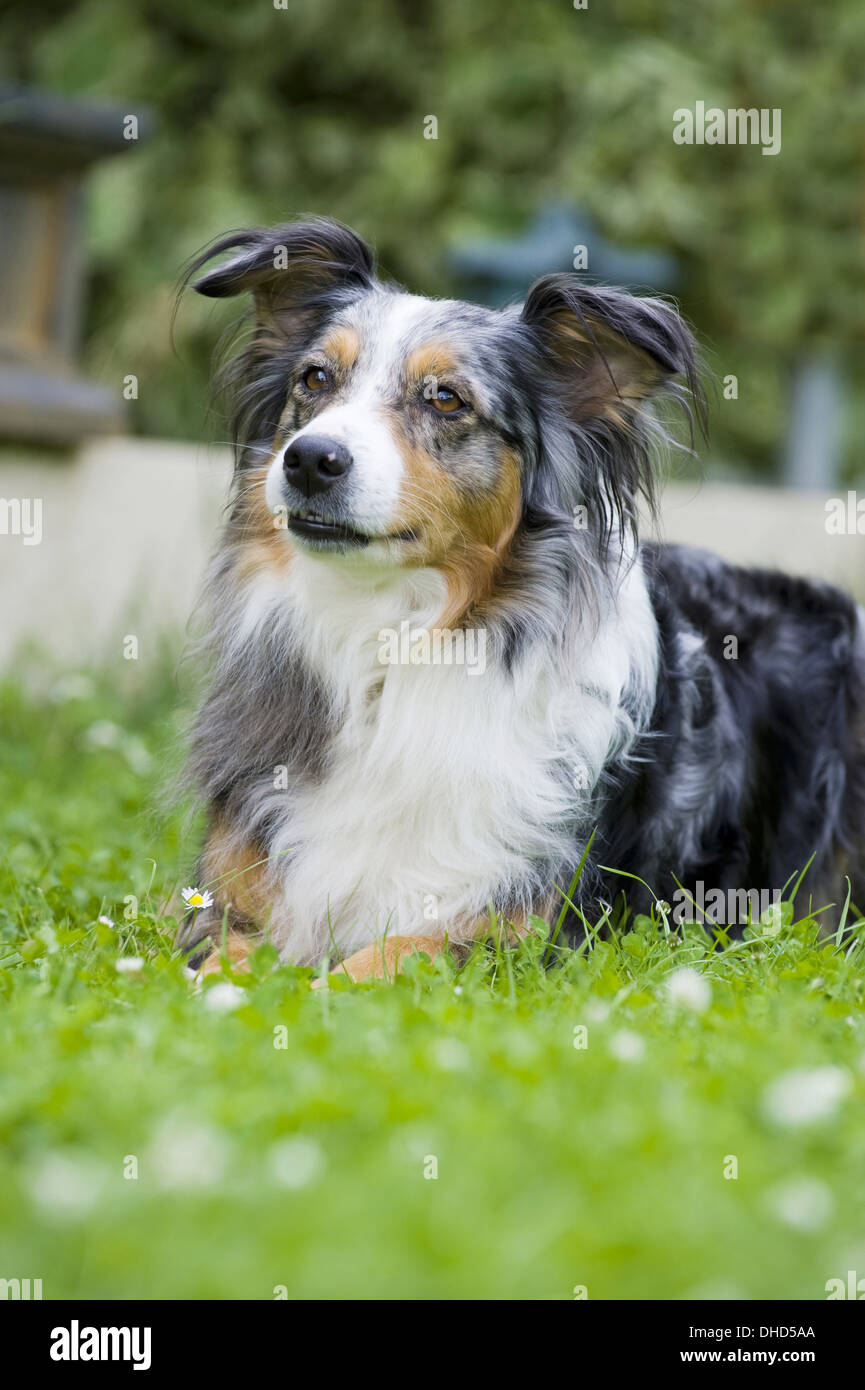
{"x": 465, "y": 537}
{"x": 261, "y": 543}
{"x": 429, "y": 361}
{"x": 343, "y": 347}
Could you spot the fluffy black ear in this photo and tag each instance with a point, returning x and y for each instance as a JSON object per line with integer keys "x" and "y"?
{"x": 294, "y": 274}
{"x": 294, "y": 261}
{"x": 609, "y": 350}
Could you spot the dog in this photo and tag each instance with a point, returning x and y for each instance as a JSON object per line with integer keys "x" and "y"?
{"x": 410, "y": 469}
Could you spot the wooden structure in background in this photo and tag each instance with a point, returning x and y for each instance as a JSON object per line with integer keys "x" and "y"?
{"x": 47, "y": 144}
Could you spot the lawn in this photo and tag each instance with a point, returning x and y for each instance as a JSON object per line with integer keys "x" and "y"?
{"x": 648, "y": 1117}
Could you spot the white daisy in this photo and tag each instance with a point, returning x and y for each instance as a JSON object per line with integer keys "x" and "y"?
{"x": 103, "y": 734}
{"x": 450, "y": 1054}
{"x": 806, "y": 1204}
{"x": 66, "y": 1184}
{"x": 187, "y": 1153}
{"x": 296, "y": 1162}
{"x": 627, "y": 1046}
{"x": 224, "y": 997}
{"x": 689, "y": 990}
{"x": 197, "y": 898}
{"x": 597, "y": 1011}
{"x": 129, "y": 965}
{"x": 806, "y": 1095}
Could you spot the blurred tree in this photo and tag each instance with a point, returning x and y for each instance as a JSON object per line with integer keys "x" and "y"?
{"x": 266, "y": 112}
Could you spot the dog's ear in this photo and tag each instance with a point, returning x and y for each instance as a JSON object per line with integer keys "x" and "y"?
{"x": 609, "y": 351}
{"x": 293, "y": 273}
{"x": 285, "y": 264}
{"x": 604, "y": 355}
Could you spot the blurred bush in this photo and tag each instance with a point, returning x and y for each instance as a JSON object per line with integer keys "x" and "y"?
{"x": 264, "y": 113}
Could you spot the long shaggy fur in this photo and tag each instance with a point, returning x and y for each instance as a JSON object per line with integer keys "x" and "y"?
{"x": 384, "y": 798}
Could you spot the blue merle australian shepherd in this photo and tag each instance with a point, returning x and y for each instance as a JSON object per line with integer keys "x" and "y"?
{"x": 411, "y": 469}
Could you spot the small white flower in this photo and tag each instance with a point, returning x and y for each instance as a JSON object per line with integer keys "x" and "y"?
{"x": 450, "y": 1054}
{"x": 597, "y": 1011}
{"x": 627, "y": 1046}
{"x": 136, "y": 754}
{"x": 297, "y": 1162}
{"x": 806, "y": 1095}
{"x": 66, "y": 1185}
{"x": 377, "y": 1042}
{"x": 106, "y": 921}
{"x": 187, "y": 1153}
{"x": 458, "y": 989}
{"x": 47, "y": 934}
{"x": 224, "y": 997}
{"x": 689, "y": 990}
{"x": 413, "y": 1142}
{"x": 74, "y": 686}
{"x": 196, "y": 898}
{"x": 129, "y": 965}
{"x": 806, "y": 1204}
{"x": 104, "y": 734}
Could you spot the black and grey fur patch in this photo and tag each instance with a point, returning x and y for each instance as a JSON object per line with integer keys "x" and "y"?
{"x": 752, "y": 763}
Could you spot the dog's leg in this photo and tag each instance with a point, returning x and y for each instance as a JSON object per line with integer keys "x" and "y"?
{"x": 384, "y": 958}
{"x": 236, "y": 951}
{"x": 238, "y": 875}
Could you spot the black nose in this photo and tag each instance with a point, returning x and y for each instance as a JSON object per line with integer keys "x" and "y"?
{"x": 313, "y": 463}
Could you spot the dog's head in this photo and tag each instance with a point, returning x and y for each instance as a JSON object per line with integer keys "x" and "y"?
{"x": 435, "y": 432}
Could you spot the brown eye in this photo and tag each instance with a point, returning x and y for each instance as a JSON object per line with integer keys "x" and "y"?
{"x": 446, "y": 401}
{"x": 315, "y": 379}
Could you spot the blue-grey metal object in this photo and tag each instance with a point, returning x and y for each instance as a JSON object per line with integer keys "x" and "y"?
{"x": 812, "y": 454}
{"x": 39, "y": 131}
{"x": 498, "y": 270}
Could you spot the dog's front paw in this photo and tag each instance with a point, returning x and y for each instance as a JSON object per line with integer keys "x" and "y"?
{"x": 383, "y": 959}
{"x": 234, "y": 952}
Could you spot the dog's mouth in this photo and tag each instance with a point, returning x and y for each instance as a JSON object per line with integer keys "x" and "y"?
{"x": 318, "y": 528}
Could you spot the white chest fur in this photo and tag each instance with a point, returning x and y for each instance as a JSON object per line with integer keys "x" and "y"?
{"x": 446, "y": 787}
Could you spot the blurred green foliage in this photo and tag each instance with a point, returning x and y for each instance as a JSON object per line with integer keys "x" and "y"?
{"x": 264, "y": 113}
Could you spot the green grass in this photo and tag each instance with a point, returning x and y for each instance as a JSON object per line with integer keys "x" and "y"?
{"x": 302, "y": 1166}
